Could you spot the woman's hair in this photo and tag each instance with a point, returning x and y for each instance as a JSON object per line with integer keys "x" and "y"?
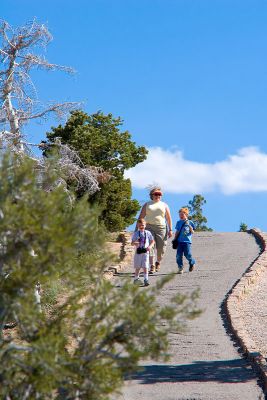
{"x": 184, "y": 210}
{"x": 154, "y": 189}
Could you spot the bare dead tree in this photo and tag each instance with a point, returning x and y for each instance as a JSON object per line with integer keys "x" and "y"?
{"x": 72, "y": 168}
{"x": 20, "y": 104}
{"x": 17, "y": 90}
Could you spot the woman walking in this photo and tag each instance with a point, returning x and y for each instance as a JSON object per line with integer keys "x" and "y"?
{"x": 159, "y": 223}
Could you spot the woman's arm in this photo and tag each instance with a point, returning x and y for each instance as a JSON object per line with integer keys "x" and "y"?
{"x": 169, "y": 221}
{"x": 142, "y": 214}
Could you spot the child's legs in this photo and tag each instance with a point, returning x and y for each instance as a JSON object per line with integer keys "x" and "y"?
{"x": 136, "y": 272}
{"x": 146, "y": 270}
{"x": 137, "y": 265}
{"x": 188, "y": 254}
{"x": 179, "y": 255}
{"x": 145, "y": 265}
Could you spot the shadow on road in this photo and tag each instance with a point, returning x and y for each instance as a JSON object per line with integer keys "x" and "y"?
{"x": 131, "y": 274}
{"x": 227, "y": 371}
{"x": 124, "y": 274}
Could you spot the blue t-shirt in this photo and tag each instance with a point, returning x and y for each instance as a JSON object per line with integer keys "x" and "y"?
{"x": 185, "y": 235}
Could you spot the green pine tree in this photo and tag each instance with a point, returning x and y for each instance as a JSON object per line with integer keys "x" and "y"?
{"x": 98, "y": 140}
{"x": 92, "y": 333}
{"x": 243, "y": 227}
{"x": 196, "y": 213}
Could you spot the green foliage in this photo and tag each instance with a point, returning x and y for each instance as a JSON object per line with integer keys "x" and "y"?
{"x": 118, "y": 209}
{"x": 97, "y": 332}
{"x": 99, "y": 142}
{"x": 243, "y": 227}
{"x": 196, "y": 213}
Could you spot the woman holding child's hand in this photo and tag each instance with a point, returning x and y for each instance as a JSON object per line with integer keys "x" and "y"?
{"x": 159, "y": 223}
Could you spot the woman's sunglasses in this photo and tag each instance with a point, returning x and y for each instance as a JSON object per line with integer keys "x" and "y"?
{"x": 157, "y": 194}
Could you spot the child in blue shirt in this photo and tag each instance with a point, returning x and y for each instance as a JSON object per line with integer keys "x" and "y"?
{"x": 184, "y": 230}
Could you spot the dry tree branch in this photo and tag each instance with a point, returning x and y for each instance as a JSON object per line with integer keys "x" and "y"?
{"x": 18, "y": 94}
{"x": 68, "y": 164}
{"x": 20, "y": 104}
{"x": 31, "y": 61}
{"x": 59, "y": 109}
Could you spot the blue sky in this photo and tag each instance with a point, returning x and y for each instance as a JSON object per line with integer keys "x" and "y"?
{"x": 188, "y": 77}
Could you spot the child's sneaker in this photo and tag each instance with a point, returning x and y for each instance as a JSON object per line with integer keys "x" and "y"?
{"x": 137, "y": 281}
{"x": 180, "y": 270}
{"x": 191, "y": 267}
{"x": 146, "y": 283}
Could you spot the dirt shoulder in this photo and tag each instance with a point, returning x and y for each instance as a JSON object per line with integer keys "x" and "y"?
{"x": 246, "y": 307}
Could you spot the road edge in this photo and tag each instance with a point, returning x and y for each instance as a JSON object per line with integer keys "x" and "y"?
{"x": 124, "y": 258}
{"x": 235, "y": 297}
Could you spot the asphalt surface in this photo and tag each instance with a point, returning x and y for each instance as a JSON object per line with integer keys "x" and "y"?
{"x": 204, "y": 364}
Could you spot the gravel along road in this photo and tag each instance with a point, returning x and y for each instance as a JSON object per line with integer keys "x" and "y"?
{"x": 204, "y": 364}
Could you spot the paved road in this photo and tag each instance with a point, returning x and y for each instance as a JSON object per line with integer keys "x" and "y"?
{"x": 205, "y": 365}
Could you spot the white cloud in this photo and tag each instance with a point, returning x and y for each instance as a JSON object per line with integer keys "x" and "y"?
{"x": 245, "y": 171}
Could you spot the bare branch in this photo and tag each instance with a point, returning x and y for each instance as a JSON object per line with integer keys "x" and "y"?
{"x": 69, "y": 165}
{"x": 3, "y": 30}
{"x": 4, "y": 52}
{"x": 17, "y": 91}
{"x": 59, "y": 109}
{"x": 86, "y": 178}
{"x": 20, "y": 103}
{"x": 27, "y": 393}
{"x": 13, "y": 346}
{"x": 31, "y": 61}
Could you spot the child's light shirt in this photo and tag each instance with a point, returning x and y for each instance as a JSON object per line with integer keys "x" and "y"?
{"x": 144, "y": 238}
{"x": 185, "y": 235}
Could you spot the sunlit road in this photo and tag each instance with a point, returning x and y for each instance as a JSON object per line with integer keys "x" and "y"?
{"x": 204, "y": 364}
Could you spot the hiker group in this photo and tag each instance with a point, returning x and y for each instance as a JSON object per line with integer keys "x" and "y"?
{"x": 154, "y": 227}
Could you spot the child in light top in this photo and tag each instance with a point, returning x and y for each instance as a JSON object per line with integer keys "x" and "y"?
{"x": 143, "y": 241}
{"x": 184, "y": 230}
